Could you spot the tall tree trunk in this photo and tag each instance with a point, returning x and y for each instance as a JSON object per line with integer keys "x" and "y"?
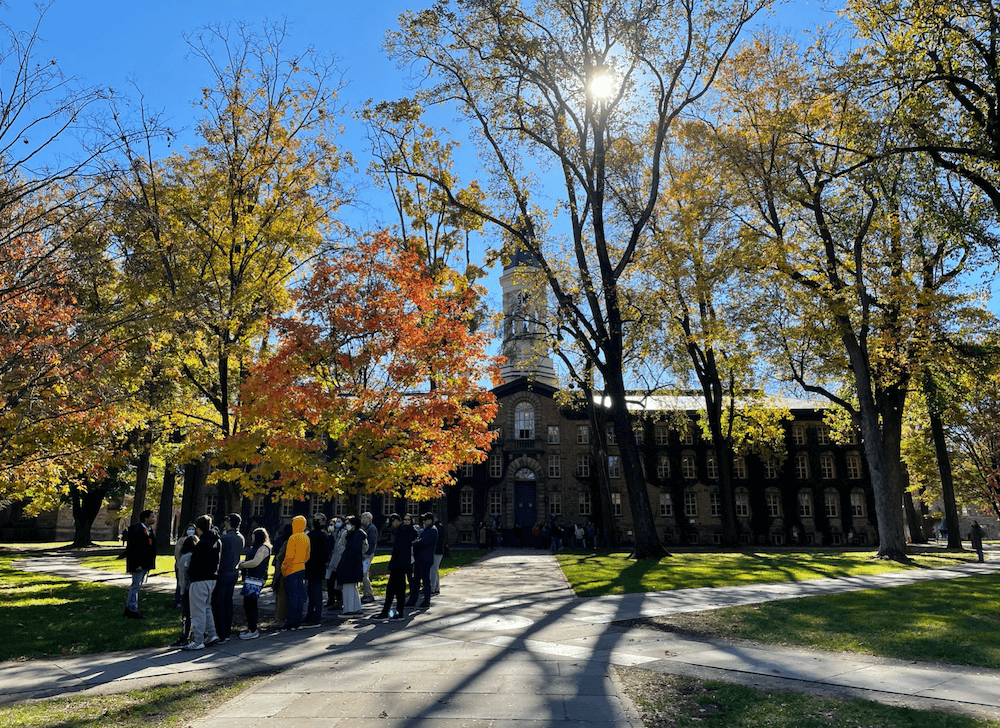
{"x": 913, "y": 520}
{"x": 885, "y": 477}
{"x": 943, "y": 461}
{"x": 195, "y": 475}
{"x": 647, "y": 542}
{"x": 597, "y": 423}
{"x": 86, "y": 505}
{"x": 141, "y": 476}
{"x": 164, "y": 516}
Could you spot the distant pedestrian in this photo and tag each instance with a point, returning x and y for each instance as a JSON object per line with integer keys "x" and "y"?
{"x": 399, "y": 567}
{"x": 371, "y": 533}
{"x": 293, "y": 569}
{"x": 203, "y": 572}
{"x": 222, "y": 597}
{"x": 254, "y": 569}
{"x": 140, "y": 559}
{"x": 482, "y": 536}
{"x": 976, "y": 536}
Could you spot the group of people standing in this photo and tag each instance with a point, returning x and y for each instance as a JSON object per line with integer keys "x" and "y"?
{"x": 210, "y": 563}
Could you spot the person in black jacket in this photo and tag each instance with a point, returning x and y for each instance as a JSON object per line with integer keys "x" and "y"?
{"x": 400, "y": 566}
{"x": 423, "y": 560}
{"x": 203, "y": 573}
{"x": 319, "y": 554}
{"x": 140, "y": 559}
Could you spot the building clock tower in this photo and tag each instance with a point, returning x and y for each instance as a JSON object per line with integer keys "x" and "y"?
{"x": 524, "y": 345}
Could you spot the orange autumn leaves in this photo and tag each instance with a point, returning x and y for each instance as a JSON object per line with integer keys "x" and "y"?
{"x": 376, "y": 384}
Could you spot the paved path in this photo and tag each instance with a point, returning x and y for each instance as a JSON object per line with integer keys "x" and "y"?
{"x": 508, "y": 644}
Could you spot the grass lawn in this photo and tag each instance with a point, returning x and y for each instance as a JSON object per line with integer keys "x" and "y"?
{"x": 49, "y": 616}
{"x": 165, "y": 706}
{"x": 956, "y": 621}
{"x": 594, "y": 575}
{"x": 42, "y": 615}
{"x": 666, "y": 700}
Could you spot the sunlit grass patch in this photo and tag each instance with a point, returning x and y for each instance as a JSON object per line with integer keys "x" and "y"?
{"x": 164, "y": 706}
{"x": 599, "y": 574}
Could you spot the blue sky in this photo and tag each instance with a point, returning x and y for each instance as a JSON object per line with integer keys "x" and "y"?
{"x": 115, "y": 43}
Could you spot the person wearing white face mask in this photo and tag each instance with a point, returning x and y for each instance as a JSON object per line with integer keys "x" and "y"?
{"x": 189, "y": 531}
{"x": 350, "y": 570}
{"x": 334, "y": 595}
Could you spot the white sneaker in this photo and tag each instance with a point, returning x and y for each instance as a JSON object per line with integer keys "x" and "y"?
{"x": 249, "y": 635}
{"x": 194, "y": 646}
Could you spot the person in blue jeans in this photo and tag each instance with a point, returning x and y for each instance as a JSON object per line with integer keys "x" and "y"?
{"x": 140, "y": 559}
{"x": 423, "y": 560}
{"x": 293, "y": 570}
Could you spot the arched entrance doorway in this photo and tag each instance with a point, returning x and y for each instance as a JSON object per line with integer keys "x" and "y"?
{"x": 525, "y": 495}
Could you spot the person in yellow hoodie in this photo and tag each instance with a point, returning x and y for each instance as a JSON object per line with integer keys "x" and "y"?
{"x": 293, "y": 569}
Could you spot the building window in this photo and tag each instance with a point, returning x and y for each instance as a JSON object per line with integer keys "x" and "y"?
{"x": 614, "y": 466}
{"x": 496, "y": 501}
{"x": 496, "y": 465}
{"x": 802, "y": 466}
{"x": 258, "y": 505}
{"x": 714, "y": 504}
{"x": 616, "y": 504}
{"x": 662, "y": 435}
{"x": 467, "y": 470}
{"x": 831, "y": 503}
{"x": 854, "y": 465}
{"x": 666, "y": 504}
{"x": 364, "y": 503}
{"x": 712, "y": 466}
{"x": 286, "y": 508}
{"x": 799, "y": 433}
{"x": 555, "y": 504}
{"x": 640, "y": 435}
{"x": 857, "y": 503}
{"x": 315, "y": 506}
{"x": 554, "y": 467}
{"x": 465, "y": 502}
{"x": 773, "y": 500}
{"x": 690, "y": 505}
{"x": 585, "y": 504}
{"x": 340, "y": 506}
{"x": 663, "y": 467}
{"x": 826, "y": 468}
{"x": 388, "y": 504}
{"x": 583, "y": 466}
{"x": 742, "y": 503}
{"x": 211, "y": 505}
{"x": 688, "y": 469}
{"x": 524, "y": 421}
{"x": 612, "y": 437}
{"x": 771, "y": 467}
{"x": 553, "y": 434}
{"x": 852, "y": 437}
{"x": 413, "y": 507}
{"x": 687, "y": 436}
{"x": 582, "y": 435}
{"x": 823, "y": 434}
{"x": 805, "y": 504}
{"x": 740, "y": 468}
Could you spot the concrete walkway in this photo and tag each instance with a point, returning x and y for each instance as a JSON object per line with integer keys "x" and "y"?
{"x": 508, "y": 644}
